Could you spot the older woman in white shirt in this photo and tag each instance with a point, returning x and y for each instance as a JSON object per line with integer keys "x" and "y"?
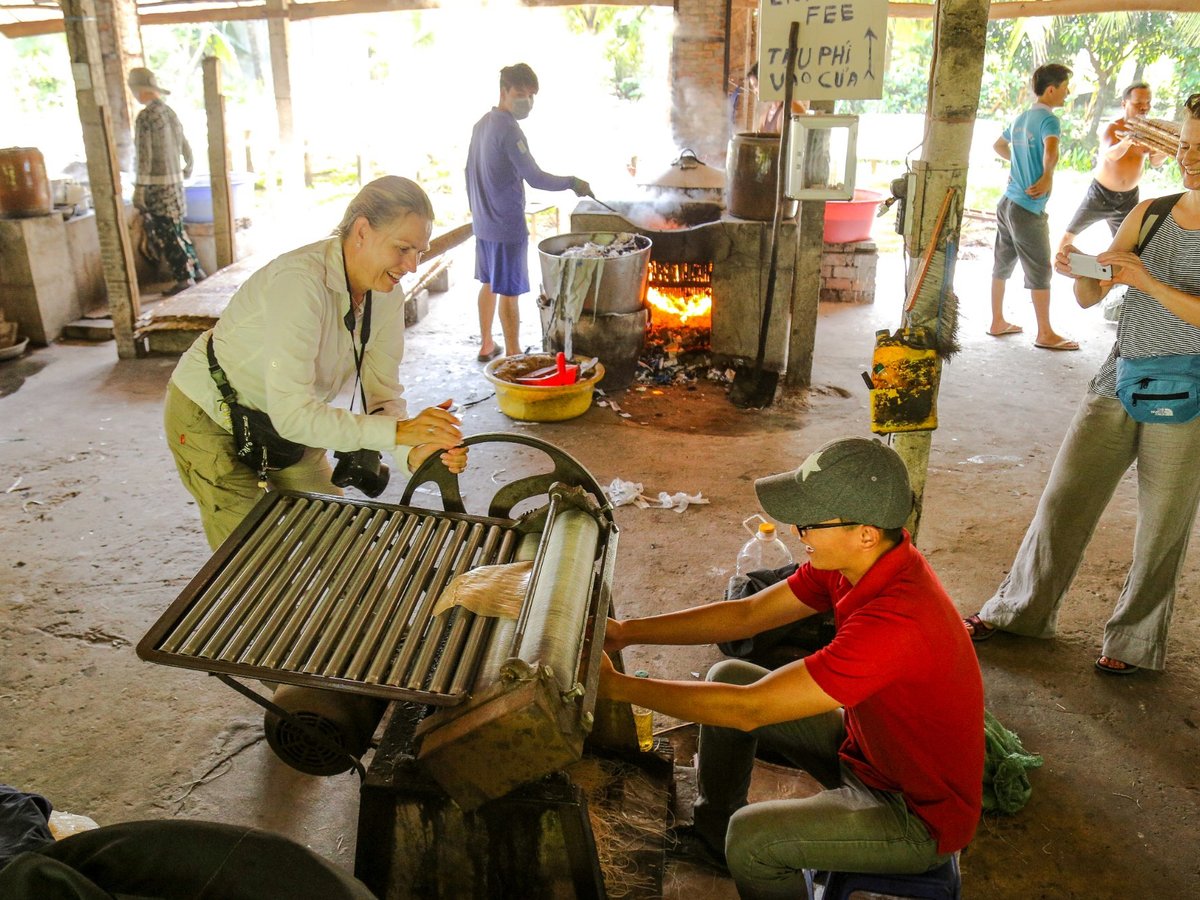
{"x": 288, "y": 343}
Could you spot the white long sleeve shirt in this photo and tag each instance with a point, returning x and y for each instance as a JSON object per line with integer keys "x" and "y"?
{"x": 285, "y": 349}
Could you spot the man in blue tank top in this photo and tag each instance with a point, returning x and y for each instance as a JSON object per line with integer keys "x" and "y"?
{"x": 1022, "y": 227}
{"x": 498, "y": 165}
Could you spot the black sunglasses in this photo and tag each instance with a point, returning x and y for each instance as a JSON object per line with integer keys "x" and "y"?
{"x": 804, "y": 528}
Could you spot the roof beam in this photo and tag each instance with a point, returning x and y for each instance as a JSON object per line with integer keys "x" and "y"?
{"x": 1014, "y": 9}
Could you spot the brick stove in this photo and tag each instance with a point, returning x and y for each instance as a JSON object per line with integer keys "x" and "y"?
{"x": 737, "y": 250}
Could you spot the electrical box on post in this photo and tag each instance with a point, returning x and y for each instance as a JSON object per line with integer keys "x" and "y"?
{"x": 825, "y": 170}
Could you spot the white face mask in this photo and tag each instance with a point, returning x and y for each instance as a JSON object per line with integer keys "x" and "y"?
{"x": 521, "y": 107}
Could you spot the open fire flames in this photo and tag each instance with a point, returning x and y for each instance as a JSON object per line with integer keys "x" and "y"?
{"x": 680, "y": 300}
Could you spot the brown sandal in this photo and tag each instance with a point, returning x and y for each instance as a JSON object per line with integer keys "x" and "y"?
{"x": 978, "y": 629}
{"x": 1110, "y": 666}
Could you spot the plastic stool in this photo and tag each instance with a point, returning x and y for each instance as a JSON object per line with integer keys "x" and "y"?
{"x": 942, "y": 883}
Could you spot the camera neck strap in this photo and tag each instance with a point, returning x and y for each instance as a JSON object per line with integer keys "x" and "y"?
{"x": 360, "y": 349}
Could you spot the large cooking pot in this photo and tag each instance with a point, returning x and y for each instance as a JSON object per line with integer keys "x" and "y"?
{"x": 621, "y": 284}
{"x": 689, "y": 177}
{"x": 753, "y": 169}
{"x": 24, "y": 187}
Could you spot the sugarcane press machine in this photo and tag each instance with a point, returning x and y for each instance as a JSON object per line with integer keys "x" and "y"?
{"x": 330, "y": 600}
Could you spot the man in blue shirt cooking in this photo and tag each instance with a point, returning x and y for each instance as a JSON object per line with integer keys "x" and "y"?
{"x": 498, "y": 165}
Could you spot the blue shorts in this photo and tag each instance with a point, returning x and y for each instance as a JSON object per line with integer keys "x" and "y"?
{"x": 503, "y": 266}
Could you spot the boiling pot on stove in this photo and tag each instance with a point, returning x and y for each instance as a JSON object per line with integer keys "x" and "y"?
{"x": 691, "y": 177}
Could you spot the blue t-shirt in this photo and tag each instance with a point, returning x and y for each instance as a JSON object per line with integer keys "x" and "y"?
{"x": 1027, "y": 137}
{"x": 498, "y": 165}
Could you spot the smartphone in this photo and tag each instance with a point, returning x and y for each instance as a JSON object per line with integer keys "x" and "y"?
{"x": 1082, "y": 264}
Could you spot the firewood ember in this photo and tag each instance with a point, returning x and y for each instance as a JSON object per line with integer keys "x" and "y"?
{"x": 678, "y": 354}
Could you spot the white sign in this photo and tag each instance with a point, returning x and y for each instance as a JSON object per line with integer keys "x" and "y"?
{"x": 839, "y": 53}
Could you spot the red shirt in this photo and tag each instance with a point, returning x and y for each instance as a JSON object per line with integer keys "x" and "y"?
{"x": 903, "y": 667}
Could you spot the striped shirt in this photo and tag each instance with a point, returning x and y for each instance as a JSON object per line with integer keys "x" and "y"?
{"x": 1148, "y": 328}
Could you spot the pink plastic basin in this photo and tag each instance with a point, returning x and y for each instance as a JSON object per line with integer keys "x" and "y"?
{"x": 847, "y": 221}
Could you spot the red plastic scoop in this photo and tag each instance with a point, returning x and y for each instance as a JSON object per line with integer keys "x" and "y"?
{"x": 552, "y": 376}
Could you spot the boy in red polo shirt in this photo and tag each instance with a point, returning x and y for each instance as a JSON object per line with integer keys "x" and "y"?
{"x": 888, "y": 716}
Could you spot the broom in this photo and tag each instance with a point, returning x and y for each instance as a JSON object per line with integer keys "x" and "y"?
{"x": 935, "y": 307}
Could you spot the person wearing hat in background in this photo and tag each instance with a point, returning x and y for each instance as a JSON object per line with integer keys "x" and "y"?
{"x": 498, "y": 165}
{"x": 888, "y": 716}
{"x": 158, "y": 182}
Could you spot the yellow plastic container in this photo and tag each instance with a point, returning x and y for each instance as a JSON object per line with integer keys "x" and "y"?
{"x": 904, "y": 382}
{"x": 531, "y": 403}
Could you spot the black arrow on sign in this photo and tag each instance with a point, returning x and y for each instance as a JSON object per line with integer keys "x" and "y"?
{"x": 870, "y": 36}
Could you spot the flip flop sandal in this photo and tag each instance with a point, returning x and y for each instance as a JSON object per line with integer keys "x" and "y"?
{"x": 1104, "y": 664}
{"x": 980, "y": 630}
{"x": 488, "y": 357}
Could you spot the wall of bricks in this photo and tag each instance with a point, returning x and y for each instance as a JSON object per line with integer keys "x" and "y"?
{"x": 700, "y": 118}
{"x": 848, "y": 272}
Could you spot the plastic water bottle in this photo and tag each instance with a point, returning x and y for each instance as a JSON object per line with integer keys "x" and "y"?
{"x": 763, "y": 551}
{"x": 643, "y": 721}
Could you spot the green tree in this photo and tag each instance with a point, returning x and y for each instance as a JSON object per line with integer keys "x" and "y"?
{"x": 44, "y": 61}
{"x": 1111, "y": 42}
{"x": 624, "y": 47}
{"x": 906, "y": 58}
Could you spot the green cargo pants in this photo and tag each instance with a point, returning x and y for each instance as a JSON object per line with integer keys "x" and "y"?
{"x": 226, "y": 490}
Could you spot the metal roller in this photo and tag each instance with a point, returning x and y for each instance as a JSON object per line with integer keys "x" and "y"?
{"x": 209, "y": 609}
{"x": 399, "y": 626}
{"x": 348, "y": 524}
{"x": 559, "y": 591}
{"x": 318, "y": 623}
{"x": 373, "y": 640}
{"x": 469, "y": 630}
{"x": 282, "y": 555}
{"x": 438, "y": 626}
{"x": 327, "y": 658}
{"x": 414, "y": 639}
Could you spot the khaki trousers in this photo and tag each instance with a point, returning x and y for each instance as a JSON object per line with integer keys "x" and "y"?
{"x": 1100, "y": 446}
{"x": 848, "y": 827}
{"x": 225, "y": 490}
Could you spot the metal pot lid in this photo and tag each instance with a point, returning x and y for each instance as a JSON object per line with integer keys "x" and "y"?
{"x": 689, "y": 173}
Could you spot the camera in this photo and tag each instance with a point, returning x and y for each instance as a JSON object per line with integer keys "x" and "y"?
{"x": 362, "y": 469}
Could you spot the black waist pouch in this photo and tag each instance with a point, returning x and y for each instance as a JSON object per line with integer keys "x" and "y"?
{"x": 256, "y": 443}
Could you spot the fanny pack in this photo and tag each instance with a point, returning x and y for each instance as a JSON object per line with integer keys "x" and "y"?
{"x": 1160, "y": 389}
{"x": 256, "y": 443}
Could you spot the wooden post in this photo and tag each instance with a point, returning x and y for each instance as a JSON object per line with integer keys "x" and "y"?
{"x": 806, "y": 282}
{"x": 121, "y": 46}
{"x": 278, "y": 25}
{"x": 954, "y": 79}
{"x": 218, "y": 162}
{"x": 116, "y": 249}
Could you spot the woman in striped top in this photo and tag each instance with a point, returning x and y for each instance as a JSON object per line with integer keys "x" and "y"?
{"x": 1161, "y": 316}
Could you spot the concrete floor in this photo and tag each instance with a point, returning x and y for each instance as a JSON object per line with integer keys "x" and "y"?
{"x": 99, "y": 537}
